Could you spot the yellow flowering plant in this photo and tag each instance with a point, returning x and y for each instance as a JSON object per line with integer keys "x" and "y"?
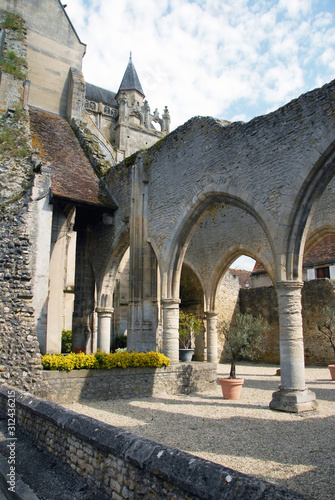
{"x": 104, "y": 361}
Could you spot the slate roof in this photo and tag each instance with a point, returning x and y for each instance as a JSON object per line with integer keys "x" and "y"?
{"x": 99, "y": 94}
{"x": 130, "y": 80}
{"x": 72, "y": 175}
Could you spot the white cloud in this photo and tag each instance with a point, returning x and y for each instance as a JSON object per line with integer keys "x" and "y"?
{"x": 224, "y": 58}
{"x": 295, "y": 8}
{"x": 244, "y": 263}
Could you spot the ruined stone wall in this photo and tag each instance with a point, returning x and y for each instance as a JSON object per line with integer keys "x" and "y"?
{"x": 226, "y": 302}
{"x": 106, "y": 239}
{"x": 13, "y": 57}
{"x": 205, "y": 157}
{"x": 53, "y": 48}
{"x": 263, "y": 301}
{"x": 19, "y": 349}
{"x": 316, "y": 296}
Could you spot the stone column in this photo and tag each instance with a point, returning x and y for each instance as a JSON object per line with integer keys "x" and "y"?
{"x": 292, "y": 395}
{"x": 57, "y": 270}
{"x": 143, "y": 304}
{"x": 212, "y": 337}
{"x": 199, "y": 351}
{"x": 170, "y": 329}
{"x": 104, "y": 328}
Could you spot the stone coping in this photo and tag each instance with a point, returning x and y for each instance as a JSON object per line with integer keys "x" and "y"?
{"x": 120, "y": 372}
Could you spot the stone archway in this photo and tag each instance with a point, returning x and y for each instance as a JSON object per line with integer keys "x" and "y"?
{"x": 192, "y": 301}
{"x": 265, "y": 179}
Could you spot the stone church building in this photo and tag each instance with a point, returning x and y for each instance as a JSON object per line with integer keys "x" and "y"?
{"x": 122, "y": 221}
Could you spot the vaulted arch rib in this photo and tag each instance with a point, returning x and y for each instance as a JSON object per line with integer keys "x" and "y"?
{"x": 315, "y": 184}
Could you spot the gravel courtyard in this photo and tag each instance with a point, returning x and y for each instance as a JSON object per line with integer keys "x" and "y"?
{"x": 292, "y": 450}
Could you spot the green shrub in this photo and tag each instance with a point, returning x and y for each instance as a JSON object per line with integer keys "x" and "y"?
{"x": 244, "y": 336}
{"x": 119, "y": 342}
{"x": 15, "y": 65}
{"x": 104, "y": 361}
{"x": 66, "y": 341}
{"x": 13, "y": 22}
{"x": 327, "y": 326}
{"x": 189, "y": 327}
{"x": 13, "y": 139}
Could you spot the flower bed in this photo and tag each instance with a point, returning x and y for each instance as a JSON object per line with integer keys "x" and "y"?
{"x": 104, "y": 361}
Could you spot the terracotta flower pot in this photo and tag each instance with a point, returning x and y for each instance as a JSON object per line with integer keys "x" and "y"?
{"x": 332, "y": 371}
{"x": 231, "y": 387}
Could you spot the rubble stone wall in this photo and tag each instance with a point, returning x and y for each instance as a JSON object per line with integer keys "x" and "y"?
{"x": 20, "y": 363}
{"x": 19, "y": 355}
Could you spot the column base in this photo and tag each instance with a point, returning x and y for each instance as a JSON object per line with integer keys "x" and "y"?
{"x": 293, "y": 401}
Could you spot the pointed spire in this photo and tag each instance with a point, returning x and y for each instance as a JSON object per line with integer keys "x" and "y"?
{"x": 130, "y": 79}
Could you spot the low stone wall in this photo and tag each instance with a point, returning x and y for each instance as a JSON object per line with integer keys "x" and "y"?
{"x": 76, "y": 385}
{"x": 126, "y": 466}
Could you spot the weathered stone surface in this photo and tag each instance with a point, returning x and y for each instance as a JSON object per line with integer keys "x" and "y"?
{"x": 135, "y": 467}
{"x": 316, "y": 296}
{"x": 118, "y": 383}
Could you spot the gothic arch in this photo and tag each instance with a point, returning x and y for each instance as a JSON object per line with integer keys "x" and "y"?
{"x": 116, "y": 255}
{"x": 303, "y": 210}
{"x": 183, "y": 233}
{"x": 225, "y": 264}
{"x": 316, "y": 236}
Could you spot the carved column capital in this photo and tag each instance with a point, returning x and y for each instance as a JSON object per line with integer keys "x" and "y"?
{"x": 211, "y": 314}
{"x": 170, "y": 303}
{"x": 105, "y": 311}
{"x": 289, "y": 284}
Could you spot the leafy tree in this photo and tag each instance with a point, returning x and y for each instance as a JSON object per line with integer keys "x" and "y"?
{"x": 244, "y": 336}
{"x": 327, "y": 325}
{"x": 66, "y": 341}
{"x": 189, "y": 327}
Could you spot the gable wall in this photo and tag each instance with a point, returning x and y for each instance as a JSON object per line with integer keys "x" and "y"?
{"x": 52, "y": 49}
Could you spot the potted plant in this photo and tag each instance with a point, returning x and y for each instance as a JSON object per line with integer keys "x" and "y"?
{"x": 189, "y": 327}
{"x": 244, "y": 336}
{"x": 327, "y": 328}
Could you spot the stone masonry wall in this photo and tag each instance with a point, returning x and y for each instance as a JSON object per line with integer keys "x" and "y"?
{"x": 263, "y": 301}
{"x": 126, "y": 466}
{"x": 226, "y": 302}
{"x": 19, "y": 350}
{"x": 19, "y": 355}
{"x": 316, "y": 296}
{"x": 53, "y": 48}
{"x": 76, "y": 385}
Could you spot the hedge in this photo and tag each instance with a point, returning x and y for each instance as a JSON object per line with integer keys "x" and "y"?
{"x": 104, "y": 361}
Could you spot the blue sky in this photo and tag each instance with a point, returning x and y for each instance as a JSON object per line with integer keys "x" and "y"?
{"x": 231, "y": 59}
